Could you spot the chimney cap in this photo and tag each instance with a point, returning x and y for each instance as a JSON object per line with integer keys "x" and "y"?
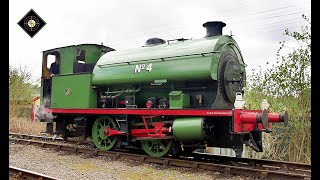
{"x": 214, "y": 28}
{"x": 210, "y": 23}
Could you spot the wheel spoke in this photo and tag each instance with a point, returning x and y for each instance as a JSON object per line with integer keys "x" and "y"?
{"x": 151, "y": 146}
{"x": 161, "y": 145}
{"x": 156, "y": 148}
{"x": 100, "y": 125}
{"x": 100, "y": 140}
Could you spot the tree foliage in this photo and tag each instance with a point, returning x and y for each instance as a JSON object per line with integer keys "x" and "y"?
{"x": 21, "y": 88}
{"x": 287, "y": 86}
{"x": 290, "y": 76}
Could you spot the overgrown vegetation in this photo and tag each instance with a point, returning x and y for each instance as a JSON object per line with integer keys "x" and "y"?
{"x": 21, "y": 91}
{"x": 287, "y": 86}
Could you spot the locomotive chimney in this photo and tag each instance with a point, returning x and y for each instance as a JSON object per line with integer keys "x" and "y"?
{"x": 214, "y": 28}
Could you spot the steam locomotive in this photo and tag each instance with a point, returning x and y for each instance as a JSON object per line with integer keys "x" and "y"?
{"x": 166, "y": 97}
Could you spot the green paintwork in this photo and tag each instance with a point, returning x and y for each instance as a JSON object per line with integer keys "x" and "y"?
{"x": 179, "y": 100}
{"x": 93, "y": 53}
{"x": 68, "y": 56}
{"x": 82, "y": 95}
{"x": 118, "y": 67}
{"x": 157, "y": 147}
{"x": 100, "y": 140}
{"x": 188, "y": 129}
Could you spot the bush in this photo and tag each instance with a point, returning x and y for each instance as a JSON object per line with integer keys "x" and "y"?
{"x": 287, "y": 86}
{"x": 21, "y": 91}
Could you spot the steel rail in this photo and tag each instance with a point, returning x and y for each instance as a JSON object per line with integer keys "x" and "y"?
{"x": 227, "y": 169}
{"x": 19, "y": 173}
{"x": 28, "y": 136}
{"x": 252, "y": 162}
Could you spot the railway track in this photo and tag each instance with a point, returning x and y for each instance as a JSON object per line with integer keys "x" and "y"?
{"x": 28, "y": 136}
{"x": 229, "y": 165}
{"x": 18, "y": 173}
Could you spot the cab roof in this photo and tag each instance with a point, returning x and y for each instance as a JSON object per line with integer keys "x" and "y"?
{"x": 54, "y": 49}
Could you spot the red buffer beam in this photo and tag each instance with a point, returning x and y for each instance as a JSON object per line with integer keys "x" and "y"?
{"x": 243, "y": 120}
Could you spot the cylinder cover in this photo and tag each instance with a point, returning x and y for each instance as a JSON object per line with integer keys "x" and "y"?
{"x": 188, "y": 129}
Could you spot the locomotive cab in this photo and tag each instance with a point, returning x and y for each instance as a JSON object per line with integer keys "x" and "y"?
{"x": 75, "y": 64}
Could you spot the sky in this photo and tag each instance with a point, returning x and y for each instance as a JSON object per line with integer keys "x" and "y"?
{"x": 257, "y": 26}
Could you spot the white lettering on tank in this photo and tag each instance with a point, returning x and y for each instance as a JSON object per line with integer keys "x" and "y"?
{"x": 137, "y": 69}
{"x": 140, "y": 67}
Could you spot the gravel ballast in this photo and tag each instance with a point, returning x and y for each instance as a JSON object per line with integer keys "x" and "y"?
{"x": 65, "y": 165}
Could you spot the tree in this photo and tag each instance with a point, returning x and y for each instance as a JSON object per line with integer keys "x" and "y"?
{"x": 291, "y": 75}
{"x": 21, "y": 89}
{"x": 287, "y": 85}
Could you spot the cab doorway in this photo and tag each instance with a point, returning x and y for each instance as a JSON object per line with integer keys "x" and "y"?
{"x": 51, "y": 62}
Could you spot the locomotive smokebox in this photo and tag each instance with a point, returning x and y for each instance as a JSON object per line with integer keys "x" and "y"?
{"x": 214, "y": 28}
